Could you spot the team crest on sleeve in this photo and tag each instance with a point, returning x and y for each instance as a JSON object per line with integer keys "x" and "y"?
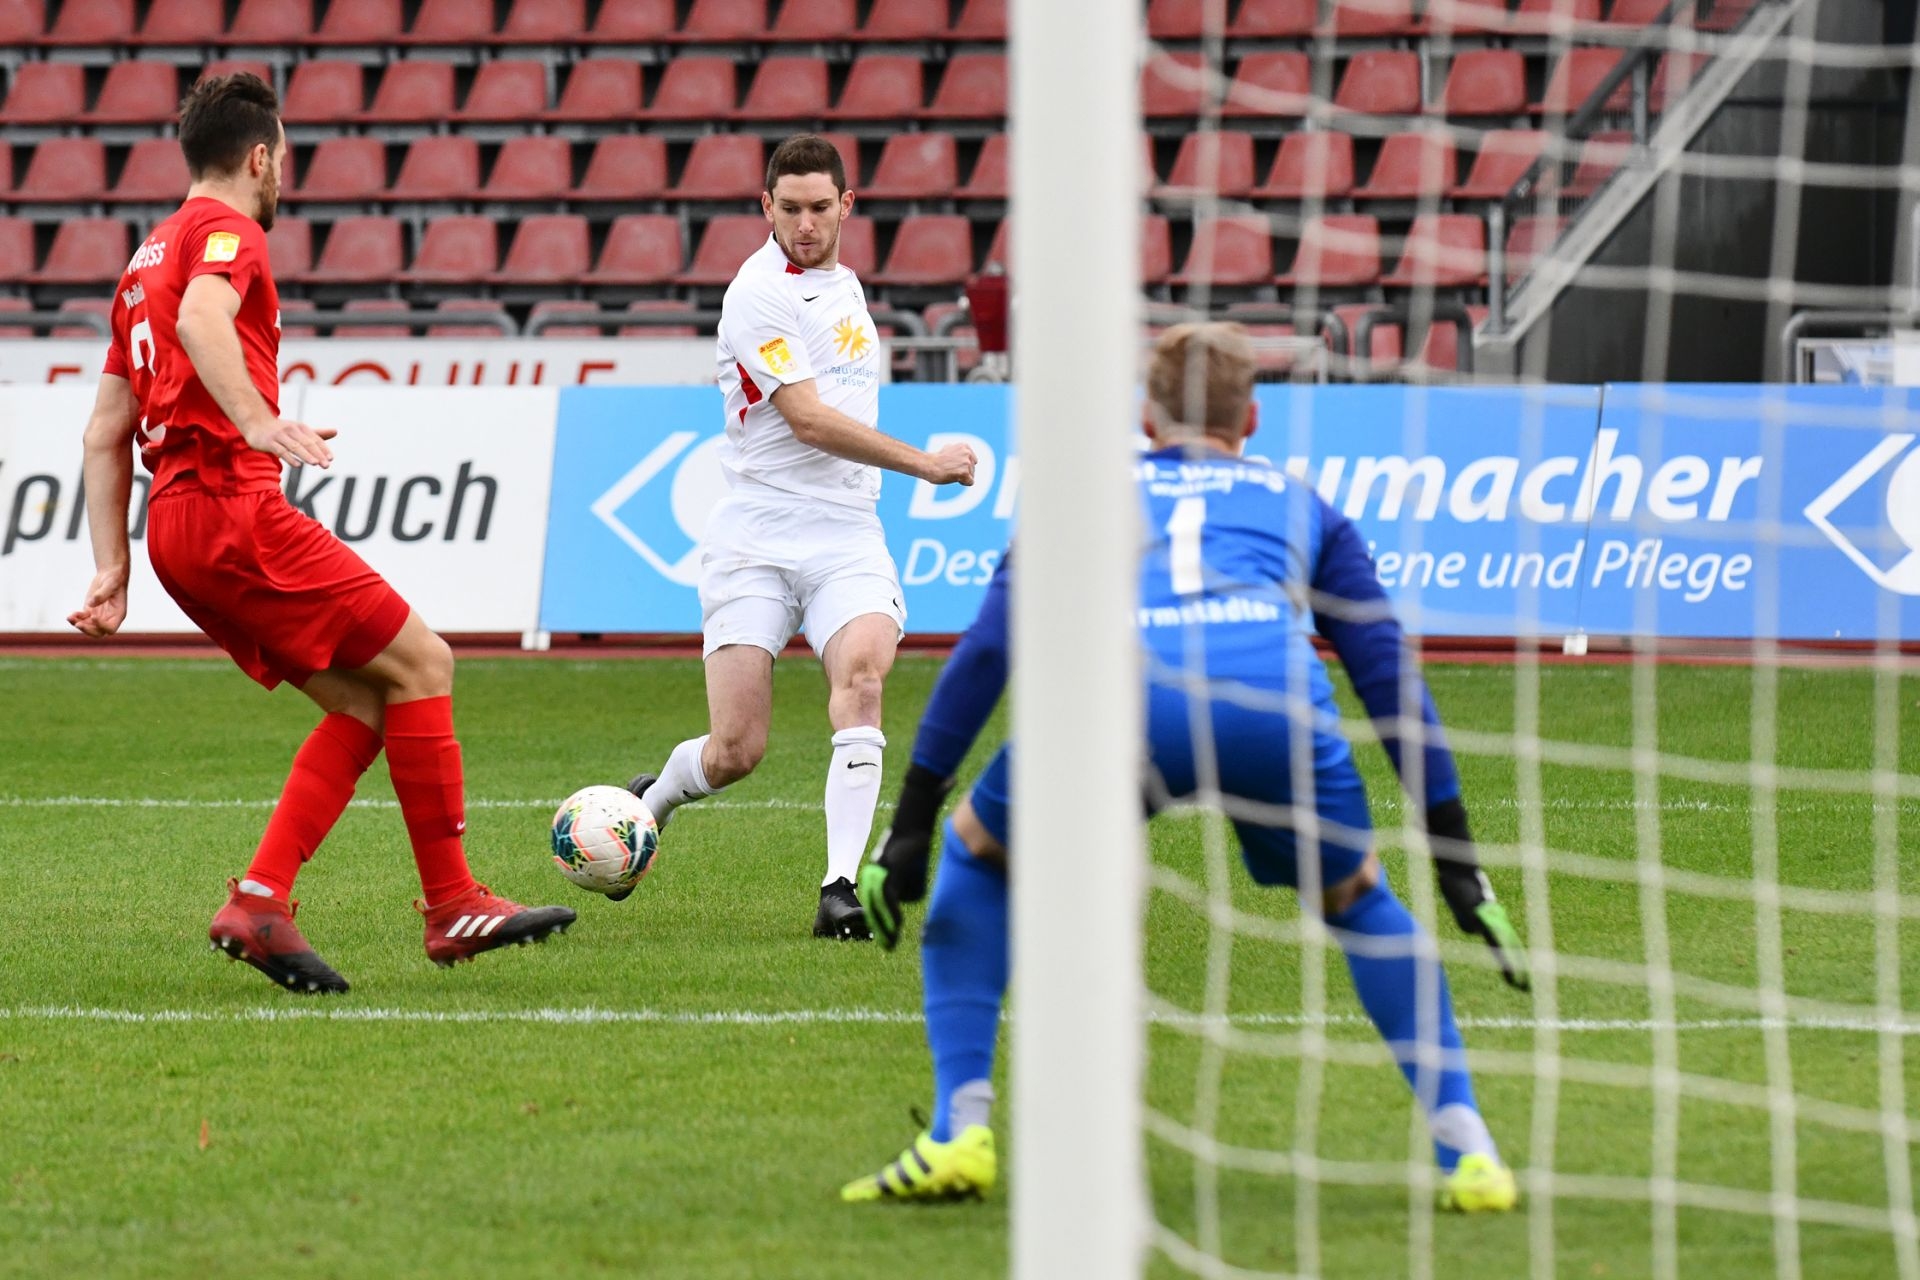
{"x": 777, "y": 355}
{"x": 222, "y": 246}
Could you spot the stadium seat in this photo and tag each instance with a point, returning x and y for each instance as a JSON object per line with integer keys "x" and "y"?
{"x": 6, "y": 169}
{"x": 155, "y": 173}
{"x": 85, "y": 251}
{"x": 88, "y": 306}
{"x": 1600, "y": 158}
{"x": 1468, "y": 17}
{"x": 1528, "y": 241}
{"x": 290, "y": 249}
{"x": 1210, "y": 162}
{"x": 1180, "y": 19}
{"x": 65, "y": 171}
{"x": 1725, "y": 15}
{"x": 1000, "y": 248}
{"x": 915, "y": 166}
{"x": 654, "y": 307}
{"x": 725, "y": 243}
{"x": 137, "y": 93}
{"x": 1485, "y": 82}
{"x": 641, "y": 249}
{"x": 442, "y": 167}
{"x": 882, "y": 87}
{"x": 1638, "y": 13}
{"x": 233, "y": 66}
{"x": 544, "y": 22}
{"x": 600, "y": 89}
{"x": 380, "y": 306}
{"x": 1173, "y": 84}
{"x": 1504, "y": 155}
{"x": 1156, "y": 250}
{"x": 471, "y": 307}
{"x": 988, "y": 179}
{"x": 1412, "y": 165}
{"x": 1560, "y": 18}
{"x": 1673, "y": 75}
{"x": 93, "y": 22}
{"x": 327, "y": 93}
{"x": 296, "y": 316}
{"x": 1270, "y": 84}
{"x": 974, "y": 87}
{"x": 1337, "y": 251}
{"x": 345, "y": 169}
{"x": 16, "y": 248}
{"x": 1268, "y": 19}
{"x": 633, "y": 22}
{"x": 1381, "y": 83}
{"x": 719, "y": 21}
{"x": 1310, "y": 166}
{"x": 412, "y": 92}
{"x": 980, "y": 20}
{"x": 563, "y": 307}
{"x": 816, "y": 20}
{"x": 1229, "y": 252}
{"x": 531, "y": 167}
{"x": 625, "y": 166}
{"x": 848, "y": 146}
{"x": 694, "y": 88}
{"x": 547, "y": 249}
{"x": 46, "y": 93}
{"x": 454, "y": 22}
{"x": 362, "y": 22}
{"x": 455, "y": 250}
{"x": 723, "y": 166}
{"x": 22, "y": 22}
{"x": 905, "y": 20}
{"x": 1372, "y": 18}
{"x": 511, "y": 89}
{"x": 859, "y": 243}
{"x": 271, "y": 22}
{"x": 1443, "y": 251}
{"x": 364, "y": 249}
{"x": 1574, "y": 79}
{"x": 934, "y": 249}
{"x": 787, "y": 89}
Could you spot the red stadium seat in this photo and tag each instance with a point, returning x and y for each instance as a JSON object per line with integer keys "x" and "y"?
{"x": 1337, "y": 251}
{"x": 155, "y": 173}
{"x": 547, "y": 249}
{"x": 455, "y": 250}
{"x": 1443, "y": 251}
{"x": 564, "y": 307}
{"x": 1310, "y": 166}
{"x": 271, "y": 22}
{"x": 531, "y": 167}
{"x": 346, "y": 169}
{"x": 787, "y": 89}
{"x": 234, "y": 66}
{"x": 915, "y": 166}
{"x": 1000, "y": 249}
{"x": 413, "y": 92}
{"x": 906, "y": 20}
{"x": 544, "y": 22}
{"x": 658, "y": 306}
{"x": 296, "y": 315}
{"x": 931, "y": 250}
{"x": 1368, "y": 18}
{"x": 695, "y": 88}
{"x": 65, "y": 171}
{"x": 981, "y": 20}
{"x": 1412, "y": 165}
{"x": 85, "y": 251}
{"x": 1211, "y": 162}
{"x": 98, "y": 22}
{"x": 1486, "y": 82}
{"x": 1229, "y": 252}
{"x": 633, "y": 22}
{"x": 1156, "y": 250}
{"x": 1529, "y": 241}
{"x": 1600, "y": 159}
{"x": 327, "y": 93}
{"x": 101, "y": 307}
{"x": 1638, "y": 13}
{"x": 988, "y": 180}
{"x": 1262, "y": 19}
{"x": 849, "y": 148}
{"x": 290, "y": 250}
{"x": 1505, "y": 154}
{"x": 1270, "y": 84}
{"x": 377, "y": 306}
{"x": 882, "y": 87}
{"x": 188, "y": 22}
{"x": 1725, "y": 15}
{"x": 454, "y": 22}
{"x": 974, "y": 87}
{"x": 625, "y": 166}
{"x": 513, "y": 89}
{"x": 469, "y": 307}
{"x": 364, "y": 249}
{"x": 1554, "y": 17}
{"x": 1673, "y": 75}
{"x": 1468, "y": 17}
{"x": 16, "y": 248}
{"x": 362, "y": 22}
{"x": 46, "y": 93}
{"x": 1183, "y": 19}
{"x": 641, "y": 249}
{"x": 1575, "y": 77}
{"x": 711, "y": 21}
{"x": 137, "y": 93}
{"x": 858, "y": 245}
{"x": 723, "y": 166}
{"x": 727, "y": 241}
{"x": 1381, "y": 83}
{"x": 816, "y": 20}
{"x": 22, "y": 22}
{"x": 1173, "y": 84}
{"x": 6, "y": 169}
{"x": 600, "y": 89}
{"x": 443, "y": 167}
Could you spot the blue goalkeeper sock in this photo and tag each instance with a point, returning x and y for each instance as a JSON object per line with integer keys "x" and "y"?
{"x": 963, "y": 953}
{"x": 1389, "y": 988}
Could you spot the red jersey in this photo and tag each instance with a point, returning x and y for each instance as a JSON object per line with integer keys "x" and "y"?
{"x": 184, "y": 437}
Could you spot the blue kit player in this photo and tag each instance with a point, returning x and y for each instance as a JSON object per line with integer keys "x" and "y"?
{"x": 1243, "y": 566}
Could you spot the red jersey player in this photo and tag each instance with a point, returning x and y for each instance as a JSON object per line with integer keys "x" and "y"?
{"x": 192, "y": 377}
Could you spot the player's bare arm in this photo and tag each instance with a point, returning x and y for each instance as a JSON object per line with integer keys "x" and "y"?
{"x": 206, "y": 332}
{"x": 108, "y": 471}
{"x": 820, "y": 426}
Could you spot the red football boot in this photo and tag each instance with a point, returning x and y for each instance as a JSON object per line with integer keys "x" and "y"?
{"x": 478, "y": 921}
{"x": 261, "y": 932}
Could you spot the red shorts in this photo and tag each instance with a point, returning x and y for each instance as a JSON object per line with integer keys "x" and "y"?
{"x": 269, "y": 584}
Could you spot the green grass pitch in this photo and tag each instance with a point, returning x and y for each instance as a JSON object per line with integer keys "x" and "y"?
{"x": 166, "y": 1113}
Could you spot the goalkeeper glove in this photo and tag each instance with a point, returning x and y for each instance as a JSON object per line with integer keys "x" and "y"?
{"x": 1468, "y": 895}
{"x": 898, "y": 874}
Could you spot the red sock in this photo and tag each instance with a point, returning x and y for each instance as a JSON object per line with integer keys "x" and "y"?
{"x": 424, "y": 759}
{"x": 325, "y": 771}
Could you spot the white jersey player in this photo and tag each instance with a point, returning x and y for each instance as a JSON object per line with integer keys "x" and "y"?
{"x": 795, "y": 545}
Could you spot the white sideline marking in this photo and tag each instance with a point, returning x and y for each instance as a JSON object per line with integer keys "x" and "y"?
{"x": 884, "y": 1017}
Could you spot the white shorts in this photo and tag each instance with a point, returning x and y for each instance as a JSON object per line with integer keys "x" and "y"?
{"x": 772, "y": 564}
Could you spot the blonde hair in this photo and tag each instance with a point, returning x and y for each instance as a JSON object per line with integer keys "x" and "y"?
{"x": 1201, "y": 379}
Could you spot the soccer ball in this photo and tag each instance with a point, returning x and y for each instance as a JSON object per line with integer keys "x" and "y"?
{"x": 604, "y": 839}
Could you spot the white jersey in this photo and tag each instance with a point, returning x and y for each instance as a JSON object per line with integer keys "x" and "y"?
{"x": 782, "y": 324}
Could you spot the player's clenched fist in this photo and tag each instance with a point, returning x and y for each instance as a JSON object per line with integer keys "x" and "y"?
{"x": 290, "y": 441}
{"x": 953, "y": 464}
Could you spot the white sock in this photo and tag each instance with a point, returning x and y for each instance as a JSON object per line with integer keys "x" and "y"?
{"x": 853, "y": 791}
{"x": 1460, "y": 1127}
{"x": 971, "y": 1104}
{"x": 682, "y": 778}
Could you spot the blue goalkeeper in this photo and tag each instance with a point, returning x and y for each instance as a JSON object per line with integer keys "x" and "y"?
{"x": 1241, "y": 560}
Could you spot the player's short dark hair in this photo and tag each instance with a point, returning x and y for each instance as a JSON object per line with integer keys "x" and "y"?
{"x": 223, "y": 118}
{"x": 806, "y": 153}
